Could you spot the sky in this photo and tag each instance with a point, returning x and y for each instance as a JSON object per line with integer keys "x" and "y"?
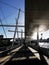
{"x": 8, "y": 15}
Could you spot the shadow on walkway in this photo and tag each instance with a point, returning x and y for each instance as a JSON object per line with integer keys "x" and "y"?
{"x": 25, "y": 53}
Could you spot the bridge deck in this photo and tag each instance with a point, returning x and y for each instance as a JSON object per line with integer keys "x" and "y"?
{"x": 26, "y": 55}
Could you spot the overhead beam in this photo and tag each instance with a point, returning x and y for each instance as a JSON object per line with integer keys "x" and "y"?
{"x": 12, "y": 25}
{"x": 16, "y": 31}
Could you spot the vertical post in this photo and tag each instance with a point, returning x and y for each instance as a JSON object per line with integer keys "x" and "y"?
{"x": 17, "y": 34}
{"x": 37, "y": 34}
{"x": 41, "y": 35}
{"x": 3, "y": 28}
{"x": 21, "y": 34}
{"x": 16, "y": 27}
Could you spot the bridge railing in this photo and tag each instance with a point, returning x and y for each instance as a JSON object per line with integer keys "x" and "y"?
{"x": 5, "y": 52}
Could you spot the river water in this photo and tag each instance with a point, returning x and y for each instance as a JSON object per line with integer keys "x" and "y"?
{"x": 44, "y": 45}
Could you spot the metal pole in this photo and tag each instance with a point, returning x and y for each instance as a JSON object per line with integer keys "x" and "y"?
{"x": 21, "y": 34}
{"x": 3, "y": 29}
{"x": 37, "y": 35}
{"x": 16, "y": 31}
{"x": 16, "y": 27}
{"x": 4, "y": 25}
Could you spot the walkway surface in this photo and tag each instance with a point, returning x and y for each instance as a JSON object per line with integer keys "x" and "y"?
{"x": 26, "y": 55}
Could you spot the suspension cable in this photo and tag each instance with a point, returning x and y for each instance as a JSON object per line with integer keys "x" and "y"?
{"x": 3, "y": 28}
{"x": 16, "y": 27}
{"x": 11, "y": 6}
{"x": 2, "y": 13}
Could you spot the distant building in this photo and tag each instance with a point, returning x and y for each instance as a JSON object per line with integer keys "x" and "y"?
{"x": 1, "y": 36}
